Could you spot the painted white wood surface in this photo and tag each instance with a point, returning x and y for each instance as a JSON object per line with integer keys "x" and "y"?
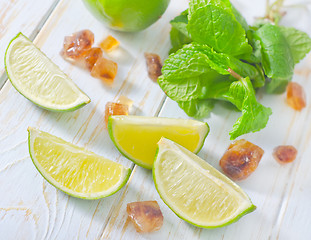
{"x": 21, "y": 16}
{"x": 281, "y": 193}
{"x": 30, "y": 208}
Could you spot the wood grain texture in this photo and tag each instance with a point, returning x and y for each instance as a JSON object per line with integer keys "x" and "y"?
{"x": 30, "y": 208}
{"x": 279, "y": 192}
{"x": 21, "y": 16}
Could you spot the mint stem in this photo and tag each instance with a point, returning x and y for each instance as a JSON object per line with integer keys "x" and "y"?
{"x": 273, "y": 11}
{"x": 234, "y": 74}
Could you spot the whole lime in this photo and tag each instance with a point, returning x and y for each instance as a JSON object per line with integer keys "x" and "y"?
{"x": 127, "y": 15}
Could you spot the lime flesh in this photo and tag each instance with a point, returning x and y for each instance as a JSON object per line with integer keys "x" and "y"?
{"x": 196, "y": 191}
{"x": 74, "y": 170}
{"x": 38, "y": 79}
{"x": 136, "y": 137}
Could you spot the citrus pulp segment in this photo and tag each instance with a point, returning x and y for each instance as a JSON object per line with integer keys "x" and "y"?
{"x": 38, "y": 79}
{"x": 74, "y": 170}
{"x": 194, "y": 190}
{"x": 136, "y": 137}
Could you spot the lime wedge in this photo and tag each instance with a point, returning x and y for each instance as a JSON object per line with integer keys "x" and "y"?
{"x": 136, "y": 137}
{"x": 74, "y": 170}
{"x": 38, "y": 79}
{"x": 194, "y": 190}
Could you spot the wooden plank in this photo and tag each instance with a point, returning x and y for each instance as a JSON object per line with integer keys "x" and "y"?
{"x": 29, "y": 206}
{"x": 281, "y": 193}
{"x": 21, "y": 16}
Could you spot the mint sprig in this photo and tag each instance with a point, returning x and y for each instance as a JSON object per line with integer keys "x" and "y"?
{"x": 217, "y": 56}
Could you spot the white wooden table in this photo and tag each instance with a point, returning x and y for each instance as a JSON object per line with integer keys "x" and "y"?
{"x": 30, "y": 208}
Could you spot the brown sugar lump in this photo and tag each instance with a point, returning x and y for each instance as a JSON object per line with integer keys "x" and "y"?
{"x": 77, "y": 44}
{"x": 295, "y": 96}
{"x": 113, "y": 108}
{"x": 109, "y": 44}
{"x": 241, "y": 159}
{"x": 146, "y": 216}
{"x": 91, "y": 56}
{"x": 154, "y": 66}
{"x": 285, "y": 154}
{"x": 105, "y": 70}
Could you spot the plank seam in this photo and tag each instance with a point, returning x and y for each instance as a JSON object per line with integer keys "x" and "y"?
{"x": 286, "y": 194}
{"x": 134, "y": 166}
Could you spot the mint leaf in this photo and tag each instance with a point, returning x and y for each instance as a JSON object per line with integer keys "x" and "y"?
{"x": 196, "y": 4}
{"x": 277, "y": 59}
{"x": 281, "y": 48}
{"x": 174, "y": 62}
{"x": 255, "y": 73}
{"x": 218, "y": 28}
{"x": 179, "y": 34}
{"x": 180, "y": 23}
{"x": 254, "y": 115}
{"x": 223, "y": 4}
{"x": 194, "y": 79}
{"x": 217, "y": 61}
{"x": 277, "y": 85}
{"x": 178, "y": 40}
{"x": 197, "y": 72}
{"x": 198, "y": 108}
{"x": 299, "y": 42}
{"x": 255, "y": 56}
{"x": 259, "y": 80}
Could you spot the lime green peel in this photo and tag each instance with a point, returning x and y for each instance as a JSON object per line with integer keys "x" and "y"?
{"x": 74, "y": 170}
{"x": 38, "y": 79}
{"x": 194, "y": 190}
{"x": 125, "y": 15}
{"x": 136, "y": 137}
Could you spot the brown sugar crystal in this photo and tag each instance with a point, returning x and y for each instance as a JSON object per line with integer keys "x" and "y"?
{"x": 76, "y": 44}
{"x": 154, "y": 66}
{"x": 296, "y": 97}
{"x": 91, "y": 56}
{"x": 146, "y": 216}
{"x": 105, "y": 70}
{"x": 113, "y": 108}
{"x": 285, "y": 153}
{"x": 125, "y": 100}
{"x": 109, "y": 44}
{"x": 241, "y": 159}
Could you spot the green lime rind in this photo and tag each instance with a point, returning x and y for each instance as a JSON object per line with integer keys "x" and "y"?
{"x": 21, "y": 92}
{"x": 136, "y": 161}
{"x": 243, "y": 213}
{"x": 203, "y": 139}
{"x": 127, "y": 16}
{"x": 64, "y": 189}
